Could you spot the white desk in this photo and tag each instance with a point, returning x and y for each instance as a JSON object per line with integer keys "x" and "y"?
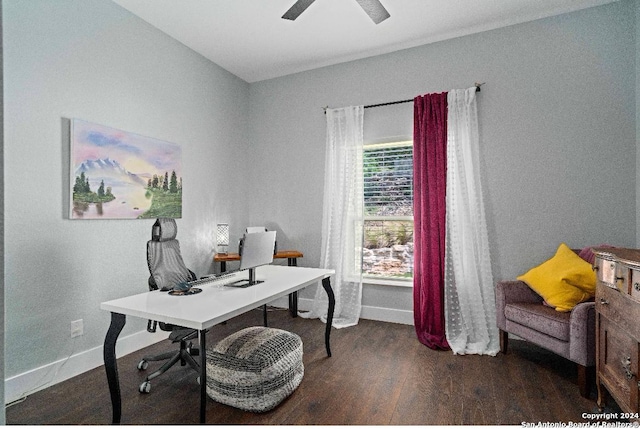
{"x": 215, "y": 304}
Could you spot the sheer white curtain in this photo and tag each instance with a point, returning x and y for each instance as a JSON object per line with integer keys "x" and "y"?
{"x": 470, "y": 312}
{"x": 342, "y": 218}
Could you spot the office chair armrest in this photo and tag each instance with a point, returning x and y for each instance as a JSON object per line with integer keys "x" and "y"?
{"x": 182, "y": 334}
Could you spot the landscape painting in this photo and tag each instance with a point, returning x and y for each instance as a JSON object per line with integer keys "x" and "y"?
{"x": 121, "y": 175}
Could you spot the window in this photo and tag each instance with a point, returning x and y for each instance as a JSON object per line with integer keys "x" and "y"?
{"x": 388, "y": 204}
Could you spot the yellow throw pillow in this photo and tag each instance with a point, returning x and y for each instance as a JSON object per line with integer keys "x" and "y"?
{"x": 563, "y": 281}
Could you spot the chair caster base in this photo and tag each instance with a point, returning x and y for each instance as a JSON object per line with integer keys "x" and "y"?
{"x": 145, "y": 387}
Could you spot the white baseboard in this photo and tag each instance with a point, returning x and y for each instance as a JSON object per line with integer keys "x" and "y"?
{"x": 29, "y": 382}
{"x": 381, "y": 314}
{"x": 390, "y": 315}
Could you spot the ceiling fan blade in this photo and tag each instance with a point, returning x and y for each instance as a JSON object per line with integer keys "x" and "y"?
{"x": 374, "y": 9}
{"x": 297, "y": 8}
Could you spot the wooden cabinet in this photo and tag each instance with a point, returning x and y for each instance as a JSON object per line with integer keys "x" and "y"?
{"x": 618, "y": 326}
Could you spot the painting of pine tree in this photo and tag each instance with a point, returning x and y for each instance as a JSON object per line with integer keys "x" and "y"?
{"x": 121, "y": 175}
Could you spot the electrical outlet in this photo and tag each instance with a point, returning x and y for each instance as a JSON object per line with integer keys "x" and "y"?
{"x": 77, "y": 328}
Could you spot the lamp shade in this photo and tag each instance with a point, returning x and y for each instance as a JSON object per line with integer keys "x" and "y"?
{"x": 222, "y": 234}
{"x": 222, "y": 237}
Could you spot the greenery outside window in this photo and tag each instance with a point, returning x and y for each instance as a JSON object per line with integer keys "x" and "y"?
{"x": 388, "y": 203}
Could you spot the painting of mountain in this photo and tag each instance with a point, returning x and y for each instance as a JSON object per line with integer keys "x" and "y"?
{"x": 122, "y": 175}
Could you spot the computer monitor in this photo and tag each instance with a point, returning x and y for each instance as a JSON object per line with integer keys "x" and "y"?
{"x": 251, "y": 230}
{"x": 257, "y": 250}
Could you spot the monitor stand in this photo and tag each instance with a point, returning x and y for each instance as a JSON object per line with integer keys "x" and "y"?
{"x": 246, "y": 283}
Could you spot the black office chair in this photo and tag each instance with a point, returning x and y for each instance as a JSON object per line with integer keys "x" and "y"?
{"x": 167, "y": 269}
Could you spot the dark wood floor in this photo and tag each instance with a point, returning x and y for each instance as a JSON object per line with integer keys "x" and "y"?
{"x": 379, "y": 375}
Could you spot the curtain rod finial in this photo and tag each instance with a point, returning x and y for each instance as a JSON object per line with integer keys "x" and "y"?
{"x": 478, "y": 85}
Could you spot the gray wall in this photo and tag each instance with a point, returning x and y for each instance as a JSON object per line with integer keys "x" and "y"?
{"x": 93, "y": 60}
{"x": 558, "y": 138}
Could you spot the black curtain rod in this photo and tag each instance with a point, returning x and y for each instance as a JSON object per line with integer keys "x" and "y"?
{"x": 478, "y": 85}
{"x": 389, "y": 103}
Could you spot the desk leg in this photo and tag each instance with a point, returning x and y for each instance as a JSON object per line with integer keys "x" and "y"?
{"x": 264, "y": 315}
{"x": 293, "y": 296}
{"x": 111, "y": 365}
{"x": 203, "y": 375}
{"x": 293, "y": 304}
{"x": 326, "y": 284}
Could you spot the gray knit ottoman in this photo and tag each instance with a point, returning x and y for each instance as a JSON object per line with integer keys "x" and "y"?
{"x": 255, "y": 369}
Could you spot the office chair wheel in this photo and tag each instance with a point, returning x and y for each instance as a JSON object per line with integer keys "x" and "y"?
{"x": 145, "y": 387}
{"x": 142, "y": 365}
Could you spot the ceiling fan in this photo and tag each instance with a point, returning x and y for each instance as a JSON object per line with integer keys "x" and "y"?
{"x": 373, "y": 8}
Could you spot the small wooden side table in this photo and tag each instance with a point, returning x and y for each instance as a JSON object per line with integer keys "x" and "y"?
{"x": 292, "y": 261}
{"x": 291, "y": 256}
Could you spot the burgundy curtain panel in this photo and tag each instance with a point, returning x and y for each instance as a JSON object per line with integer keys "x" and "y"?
{"x": 429, "y": 210}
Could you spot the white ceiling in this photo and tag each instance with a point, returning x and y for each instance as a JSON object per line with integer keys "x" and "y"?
{"x": 249, "y": 38}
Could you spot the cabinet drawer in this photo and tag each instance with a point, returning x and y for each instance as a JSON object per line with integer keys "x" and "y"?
{"x": 619, "y": 308}
{"x": 618, "y": 364}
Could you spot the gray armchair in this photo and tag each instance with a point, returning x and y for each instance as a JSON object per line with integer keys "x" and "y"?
{"x": 521, "y": 312}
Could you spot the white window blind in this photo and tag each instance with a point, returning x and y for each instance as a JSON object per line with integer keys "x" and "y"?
{"x": 388, "y": 179}
{"x": 388, "y": 204}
